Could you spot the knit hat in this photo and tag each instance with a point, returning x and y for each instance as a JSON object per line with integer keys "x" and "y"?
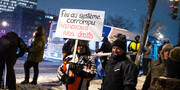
{"x": 85, "y": 44}
{"x": 120, "y": 42}
{"x": 175, "y": 54}
{"x": 118, "y": 35}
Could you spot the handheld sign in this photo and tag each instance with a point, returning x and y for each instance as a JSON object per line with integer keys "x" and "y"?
{"x": 80, "y": 24}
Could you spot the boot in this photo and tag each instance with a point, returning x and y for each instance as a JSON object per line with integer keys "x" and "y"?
{"x": 25, "y": 82}
{"x": 34, "y": 82}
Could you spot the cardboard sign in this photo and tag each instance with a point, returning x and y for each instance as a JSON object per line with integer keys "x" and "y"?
{"x": 80, "y": 24}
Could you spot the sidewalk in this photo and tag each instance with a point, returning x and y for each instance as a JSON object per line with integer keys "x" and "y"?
{"x": 48, "y": 77}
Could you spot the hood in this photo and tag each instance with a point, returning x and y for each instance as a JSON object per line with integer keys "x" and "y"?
{"x": 166, "y": 47}
{"x": 40, "y": 30}
{"x": 175, "y": 54}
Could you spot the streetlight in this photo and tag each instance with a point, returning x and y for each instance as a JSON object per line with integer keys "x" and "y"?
{"x": 161, "y": 36}
{"x": 4, "y": 23}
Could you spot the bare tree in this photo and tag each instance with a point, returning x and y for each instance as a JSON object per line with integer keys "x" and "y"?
{"x": 155, "y": 28}
{"x": 118, "y": 21}
{"x": 151, "y": 6}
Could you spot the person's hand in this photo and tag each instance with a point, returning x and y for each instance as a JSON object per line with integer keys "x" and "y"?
{"x": 70, "y": 80}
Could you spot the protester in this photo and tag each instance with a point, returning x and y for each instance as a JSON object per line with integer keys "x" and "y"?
{"x": 173, "y": 63}
{"x": 120, "y": 73}
{"x": 105, "y": 48}
{"x": 83, "y": 69}
{"x": 157, "y": 68}
{"x": 35, "y": 55}
{"x": 146, "y": 57}
{"x": 134, "y": 47}
{"x": 9, "y": 45}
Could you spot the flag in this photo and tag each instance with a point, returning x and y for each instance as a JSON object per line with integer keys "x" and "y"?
{"x": 100, "y": 70}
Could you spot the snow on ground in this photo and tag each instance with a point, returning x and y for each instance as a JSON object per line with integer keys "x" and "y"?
{"x": 48, "y": 80}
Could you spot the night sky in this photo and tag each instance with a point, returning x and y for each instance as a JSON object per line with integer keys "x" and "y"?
{"x": 129, "y": 9}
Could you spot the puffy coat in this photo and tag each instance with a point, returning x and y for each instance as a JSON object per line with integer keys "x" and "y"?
{"x": 120, "y": 74}
{"x": 82, "y": 79}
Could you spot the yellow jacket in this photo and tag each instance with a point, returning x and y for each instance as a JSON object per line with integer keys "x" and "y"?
{"x": 134, "y": 46}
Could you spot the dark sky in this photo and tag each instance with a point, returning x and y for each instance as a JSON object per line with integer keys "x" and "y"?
{"x": 129, "y": 9}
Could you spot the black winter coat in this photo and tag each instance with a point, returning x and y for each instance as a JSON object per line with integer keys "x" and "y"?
{"x": 120, "y": 74}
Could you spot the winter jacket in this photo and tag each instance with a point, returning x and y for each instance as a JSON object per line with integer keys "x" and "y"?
{"x": 134, "y": 46}
{"x": 9, "y": 45}
{"x": 120, "y": 74}
{"x": 157, "y": 69}
{"x": 173, "y": 63}
{"x": 36, "y": 50}
{"x": 86, "y": 72}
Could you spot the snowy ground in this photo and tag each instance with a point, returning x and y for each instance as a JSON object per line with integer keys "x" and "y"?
{"x": 48, "y": 78}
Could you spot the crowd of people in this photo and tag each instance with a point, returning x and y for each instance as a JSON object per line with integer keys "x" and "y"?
{"x": 79, "y": 68}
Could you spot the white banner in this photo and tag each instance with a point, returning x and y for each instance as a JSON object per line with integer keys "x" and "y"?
{"x": 80, "y": 24}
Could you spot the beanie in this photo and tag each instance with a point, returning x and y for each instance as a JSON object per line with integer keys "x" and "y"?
{"x": 120, "y": 42}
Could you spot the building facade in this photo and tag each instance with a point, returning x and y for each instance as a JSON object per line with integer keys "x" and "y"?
{"x": 9, "y": 5}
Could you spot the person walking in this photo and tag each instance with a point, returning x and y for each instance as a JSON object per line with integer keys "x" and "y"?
{"x": 134, "y": 47}
{"x": 9, "y": 45}
{"x": 120, "y": 73}
{"x": 83, "y": 70}
{"x": 158, "y": 68}
{"x": 35, "y": 55}
{"x": 105, "y": 48}
{"x": 146, "y": 57}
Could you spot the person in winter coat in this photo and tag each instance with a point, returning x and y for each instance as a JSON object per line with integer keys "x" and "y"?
{"x": 173, "y": 63}
{"x": 105, "y": 48}
{"x": 77, "y": 74}
{"x": 35, "y": 55}
{"x": 120, "y": 73}
{"x": 157, "y": 68}
{"x": 134, "y": 47}
{"x": 9, "y": 44}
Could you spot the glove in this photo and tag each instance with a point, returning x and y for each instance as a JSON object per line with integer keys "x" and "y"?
{"x": 75, "y": 67}
{"x": 63, "y": 78}
{"x": 70, "y": 80}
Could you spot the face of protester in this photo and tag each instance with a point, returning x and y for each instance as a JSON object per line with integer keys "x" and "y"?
{"x": 81, "y": 49}
{"x": 137, "y": 38}
{"x": 166, "y": 54}
{"x": 117, "y": 51}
